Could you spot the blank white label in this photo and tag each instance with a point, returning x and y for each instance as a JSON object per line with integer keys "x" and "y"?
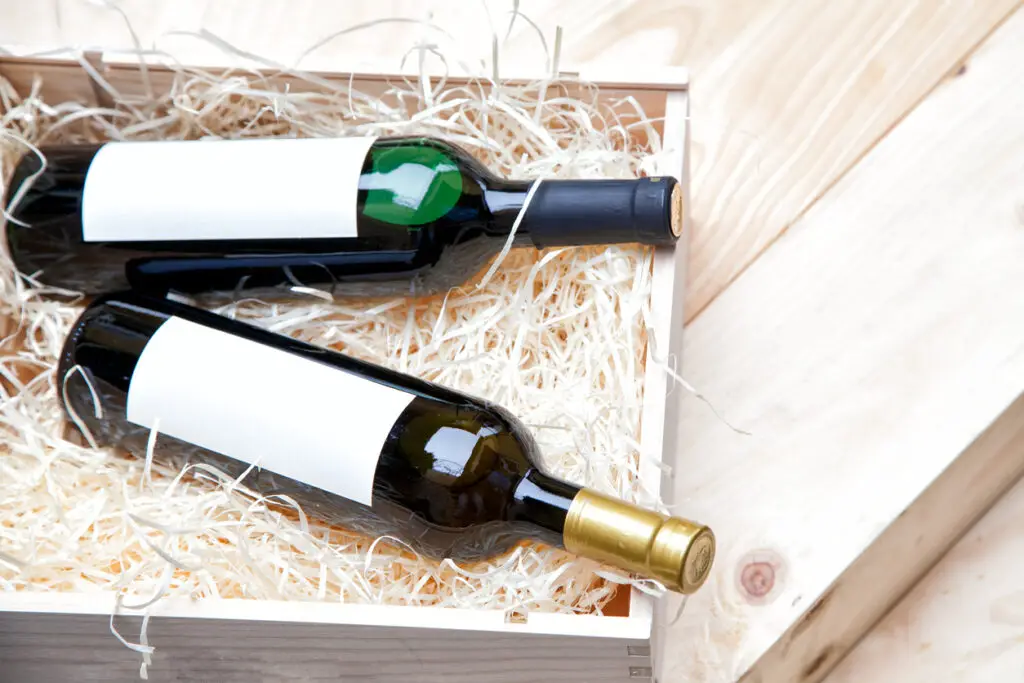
{"x": 264, "y": 188}
{"x": 287, "y": 414}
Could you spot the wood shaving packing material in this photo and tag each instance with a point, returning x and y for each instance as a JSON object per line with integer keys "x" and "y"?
{"x": 558, "y": 337}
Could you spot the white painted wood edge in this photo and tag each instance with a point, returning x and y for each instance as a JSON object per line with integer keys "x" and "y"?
{"x": 668, "y": 313}
{"x": 668, "y": 289}
{"x": 399, "y": 616}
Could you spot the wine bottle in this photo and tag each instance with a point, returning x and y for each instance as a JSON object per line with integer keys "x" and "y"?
{"x": 356, "y": 216}
{"x": 354, "y": 443}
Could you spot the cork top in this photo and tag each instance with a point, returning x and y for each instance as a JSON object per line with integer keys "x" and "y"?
{"x": 677, "y": 210}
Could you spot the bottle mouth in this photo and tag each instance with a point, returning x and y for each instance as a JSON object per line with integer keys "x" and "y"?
{"x": 676, "y": 215}
{"x": 658, "y": 211}
{"x": 676, "y": 552}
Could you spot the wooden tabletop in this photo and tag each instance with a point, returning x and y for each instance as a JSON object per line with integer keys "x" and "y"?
{"x": 857, "y": 249}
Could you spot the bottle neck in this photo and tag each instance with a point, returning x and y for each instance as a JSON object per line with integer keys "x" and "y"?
{"x": 585, "y": 212}
{"x": 674, "y": 551}
{"x": 505, "y": 200}
{"x": 544, "y": 502}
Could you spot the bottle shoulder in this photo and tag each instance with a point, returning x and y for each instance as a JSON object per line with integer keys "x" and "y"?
{"x": 106, "y": 341}
{"x": 467, "y": 163}
{"x": 456, "y": 464}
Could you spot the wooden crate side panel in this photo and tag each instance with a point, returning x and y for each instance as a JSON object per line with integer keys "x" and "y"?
{"x": 657, "y": 440}
{"x": 46, "y": 648}
{"x": 67, "y": 79}
{"x": 340, "y": 614}
{"x": 659, "y": 446}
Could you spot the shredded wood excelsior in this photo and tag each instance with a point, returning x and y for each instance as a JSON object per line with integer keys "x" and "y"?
{"x": 558, "y": 337}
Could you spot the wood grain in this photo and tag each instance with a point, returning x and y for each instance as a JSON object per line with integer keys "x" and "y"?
{"x": 876, "y": 356}
{"x": 900, "y": 264}
{"x": 788, "y": 94}
{"x": 56, "y": 648}
{"x": 964, "y": 622}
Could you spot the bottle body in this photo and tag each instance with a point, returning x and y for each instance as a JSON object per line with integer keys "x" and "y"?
{"x": 358, "y": 216}
{"x": 353, "y": 443}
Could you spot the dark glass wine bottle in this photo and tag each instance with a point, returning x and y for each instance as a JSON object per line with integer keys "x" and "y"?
{"x": 355, "y": 444}
{"x": 356, "y": 216}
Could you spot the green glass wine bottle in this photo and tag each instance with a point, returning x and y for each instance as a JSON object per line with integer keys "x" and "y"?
{"x": 353, "y": 443}
{"x": 356, "y": 216}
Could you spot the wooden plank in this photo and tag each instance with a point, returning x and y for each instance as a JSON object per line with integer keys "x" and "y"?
{"x": 875, "y": 354}
{"x": 964, "y": 621}
{"x": 789, "y": 93}
{"x": 52, "y": 648}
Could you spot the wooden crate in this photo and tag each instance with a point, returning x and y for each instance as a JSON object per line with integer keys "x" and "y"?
{"x": 47, "y": 637}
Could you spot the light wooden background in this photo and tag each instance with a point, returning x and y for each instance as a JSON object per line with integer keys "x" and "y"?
{"x": 840, "y": 120}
